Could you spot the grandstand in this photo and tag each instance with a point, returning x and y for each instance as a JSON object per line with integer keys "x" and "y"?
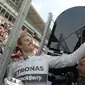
{"x": 34, "y": 23}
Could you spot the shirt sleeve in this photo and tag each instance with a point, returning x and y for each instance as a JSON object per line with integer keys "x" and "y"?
{"x": 66, "y": 59}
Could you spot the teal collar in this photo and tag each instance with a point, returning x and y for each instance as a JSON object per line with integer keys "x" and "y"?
{"x": 25, "y": 57}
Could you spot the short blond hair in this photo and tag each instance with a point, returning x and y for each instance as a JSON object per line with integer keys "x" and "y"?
{"x": 21, "y": 36}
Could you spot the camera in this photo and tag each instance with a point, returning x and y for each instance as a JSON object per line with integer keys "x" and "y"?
{"x": 63, "y": 76}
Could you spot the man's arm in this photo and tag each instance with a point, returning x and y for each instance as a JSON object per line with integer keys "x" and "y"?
{"x": 66, "y": 59}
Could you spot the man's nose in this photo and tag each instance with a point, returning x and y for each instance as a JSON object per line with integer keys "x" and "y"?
{"x": 30, "y": 42}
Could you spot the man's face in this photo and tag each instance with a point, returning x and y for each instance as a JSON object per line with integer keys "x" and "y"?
{"x": 27, "y": 44}
{"x": 81, "y": 67}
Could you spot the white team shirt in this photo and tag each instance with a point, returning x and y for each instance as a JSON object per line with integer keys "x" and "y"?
{"x": 26, "y": 70}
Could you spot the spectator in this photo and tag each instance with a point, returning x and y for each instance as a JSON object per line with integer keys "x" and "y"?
{"x": 81, "y": 70}
{"x": 2, "y": 37}
{"x": 23, "y": 30}
{"x": 1, "y": 30}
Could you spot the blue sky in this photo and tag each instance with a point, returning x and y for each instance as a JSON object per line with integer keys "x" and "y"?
{"x": 55, "y": 6}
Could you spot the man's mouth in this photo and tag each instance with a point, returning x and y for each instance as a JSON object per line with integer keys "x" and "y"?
{"x": 30, "y": 45}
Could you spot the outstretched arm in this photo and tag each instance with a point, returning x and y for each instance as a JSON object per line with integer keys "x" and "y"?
{"x": 66, "y": 59}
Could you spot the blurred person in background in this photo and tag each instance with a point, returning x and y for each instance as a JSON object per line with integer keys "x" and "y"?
{"x": 2, "y": 37}
{"x": 23, "y": 30}
{"x": 1, "y": 30}
{"x": 81, "y": 70}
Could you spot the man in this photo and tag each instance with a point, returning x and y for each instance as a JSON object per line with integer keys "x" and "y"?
{"x": 81, "y": 70}
{"x": 32, "y": 69}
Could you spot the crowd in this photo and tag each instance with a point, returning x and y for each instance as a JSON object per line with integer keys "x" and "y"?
{"x": 4, "y": 33}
